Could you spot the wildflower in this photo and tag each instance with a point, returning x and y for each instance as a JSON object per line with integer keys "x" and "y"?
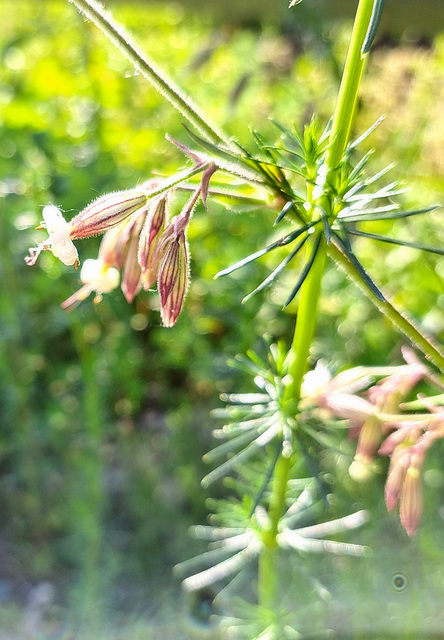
{"x": 99, "y": 216}
{"x": 59, "y": 239}
{"x": 136, "y": 241}
{"x": 410, "y": 509}
{"x": 403, "y": 486}
{"x": 408, "y": 446}
{"x": 95, "y": 276}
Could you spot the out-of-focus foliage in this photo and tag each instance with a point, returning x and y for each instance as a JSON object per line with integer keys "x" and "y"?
{"x": 104, "y": 412}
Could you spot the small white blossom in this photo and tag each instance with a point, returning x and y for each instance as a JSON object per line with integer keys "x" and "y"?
{"x": 95, "y": 276}
{"x": 58, "y": 241}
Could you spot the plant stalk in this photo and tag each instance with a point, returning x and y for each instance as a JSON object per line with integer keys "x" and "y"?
{"x": 96, "y": 13}
{"x": 309, "y": 298}
{"x": 402, "y": 322}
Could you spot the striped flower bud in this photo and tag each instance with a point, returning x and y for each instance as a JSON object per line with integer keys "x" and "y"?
{"x": 106, "y": 212}
{"x": 149, "y": 256}
{"x": 131, "y": 280}
{"x": 173, "y": 279}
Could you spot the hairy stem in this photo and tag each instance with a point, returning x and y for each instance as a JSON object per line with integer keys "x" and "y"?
{"x": 141, "y": 62}
{"x": 419, "y": 340}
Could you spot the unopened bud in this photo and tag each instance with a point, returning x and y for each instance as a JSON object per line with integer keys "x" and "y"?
{"x": 106, "y": 212}
{"x": 131, "y": 282}
{"x": 411, "y": 500}
{"x": 173, "y": 279}
{"x": 148, "y": 253}
{"x": 369, "y": 438}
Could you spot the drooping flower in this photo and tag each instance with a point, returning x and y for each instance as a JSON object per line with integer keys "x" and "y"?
{"x": 97, "y": 277}
{"x": 410, "y": 504}
{"x": 407, "y": 447}
{"x": 102, "y": 214}
{"x": 58, "y": 241}
{"x": 138, "y": 241}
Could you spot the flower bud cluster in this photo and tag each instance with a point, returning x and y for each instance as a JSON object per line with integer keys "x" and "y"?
{"x": 374, "y": 410}
{"x": 140, "y": 245}
{"x": 143, "y": 248}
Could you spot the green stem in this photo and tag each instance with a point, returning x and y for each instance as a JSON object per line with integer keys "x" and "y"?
{"x": 419, "y": 340}
{"x": 141, "y": 62}
{"x": 309, "y": 298}
{"x": 305, "y": 324}
{"x": 348, "y": 91}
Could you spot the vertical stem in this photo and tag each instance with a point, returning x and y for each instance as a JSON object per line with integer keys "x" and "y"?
{"x": 305, "y": 323}
{"x": 309, "y": 298}
{"x": 348, "y": 91}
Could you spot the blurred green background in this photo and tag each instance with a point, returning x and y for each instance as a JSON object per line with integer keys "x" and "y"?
{"x": 104, "y": 413}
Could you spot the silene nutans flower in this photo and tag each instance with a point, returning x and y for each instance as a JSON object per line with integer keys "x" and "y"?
{"x": 99, "y": 216}
{"x": 140, "y": 244}
{"x": 59, "y": 239}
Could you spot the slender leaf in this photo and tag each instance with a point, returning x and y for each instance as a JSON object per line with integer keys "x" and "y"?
{"x": 402, "y": 243}
{"x": 277, "y": 271}
{"x": 305, "y": 271}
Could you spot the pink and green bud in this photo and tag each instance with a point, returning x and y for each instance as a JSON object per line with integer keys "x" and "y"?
{"x": 131, "y": 280}
{"x": 173, "y": 279}
{"x": 113, "y": 248}
{"x": 410, "y": 508}
{"x": 106, "y": 212}
{"x": 369, "y": 439}
{"x": 148, "y": 254}
{"x": 398, "y": 467}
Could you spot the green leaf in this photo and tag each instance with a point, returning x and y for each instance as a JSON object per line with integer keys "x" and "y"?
{"x": 403, "y": 243}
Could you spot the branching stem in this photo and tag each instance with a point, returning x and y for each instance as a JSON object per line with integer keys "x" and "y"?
{"x": 309, "y": 296}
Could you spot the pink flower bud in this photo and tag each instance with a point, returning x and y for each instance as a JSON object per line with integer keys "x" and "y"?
{"x": 106, "y": 212}
{"x": 173, "y": 279}
{"x": 411, "y": 500}
{"x": 113, "y": 248}
{"x": 395, "y": 478}
{"x": 148, "y": 254}
{"x": 131, "y": 281}
{"x": 369, "y": 439}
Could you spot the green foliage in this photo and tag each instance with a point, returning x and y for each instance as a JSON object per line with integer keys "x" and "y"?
{"x": 103, "y": 419}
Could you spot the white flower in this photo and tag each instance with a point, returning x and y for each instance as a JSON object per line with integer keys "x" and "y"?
{"x": 59, "y": 241}
{"x": 95, "y": 276}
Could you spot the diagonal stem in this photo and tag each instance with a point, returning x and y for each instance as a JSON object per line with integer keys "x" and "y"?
{"x": 402, "y": 322}
{"x": 96, "y": 13}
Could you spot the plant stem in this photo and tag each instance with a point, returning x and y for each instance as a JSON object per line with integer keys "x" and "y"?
{"x": 419, "y": 340}
{"x": 95, "y": 12}
{"x": 309, "y": 297}
{"x": 348, "y": 91}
